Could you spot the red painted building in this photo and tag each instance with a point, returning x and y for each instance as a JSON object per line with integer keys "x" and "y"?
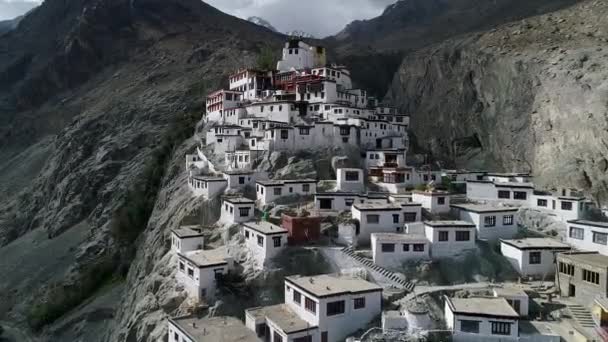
{"x": 301, "y": 229}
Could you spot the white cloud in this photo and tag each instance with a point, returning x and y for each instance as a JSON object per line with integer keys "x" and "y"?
{"x": 317, "y": 17}
{"x": 10, "y": 9}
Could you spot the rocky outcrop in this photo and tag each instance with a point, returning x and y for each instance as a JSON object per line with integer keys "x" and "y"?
{"x": 526, "y": 96}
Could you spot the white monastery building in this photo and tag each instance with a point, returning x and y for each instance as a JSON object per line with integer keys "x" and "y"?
{"x": 492, "y": 222}
{"x": 481, "y": 319}
{"x": 377, "y": 218}
{"x": 264, "y": 240}
{"x": 350, "y": 180}
{"x": 588, "y": 235}
{"x": 269, "y": 191}
{"x": 214, "y": 329}
{"x": 325, "y": 307}
{"x": 532, "y": 257}
{"x": 198, "y": 271}
{"x": 207, "y": 186}
{"x": 186, "y": 239}
{"x": 449, "y": 238}
{"x": 391, "y": 250}
{"x": 437, "y": 202}
{"x": 237, "y": 210}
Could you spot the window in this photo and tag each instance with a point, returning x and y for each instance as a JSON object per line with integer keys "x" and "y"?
{"x": 388, "y": 247}
{"x": 304, "y": 131}
{"x": 190, "y": 272}
{"x": 515, "y": 304}
{"x": 246, "y": 234}
{"x": 290, "y": 189}
{"x": 409, "y": 217}
{"x": 501, "y": 328}
{"x": 260, "y": 241}
{"x": 566, "y": 205}
{"x": 344, "y": 130}
{"x": 395, "y": 218}
{"x": 244, "y": 212}
{"x": 182, "y": 267}
{"x": 351, "y": 176}
{"x": 310, "y": 305}
{"x": 335, "y": 308}
{"x": 278, "y": 191}
{"x": 284, "y": 134}
{"x": 241, "y": 180}
{"x": 591, "y": 277}
{"x": 577, "y": 233}
{"x": 276, "y": 336}
{"x": 418, "y": 247}
{"x": 277, "y": 241}
{"x": 600, "y": 238}
{"x": 566, "y": 269}
{"x": 520, "y": 195}
{"x": 507, "y": 220}
{"x": 489, "y": 221}
{"x": 175, "y": 336}
{"x": 443, "y": 236}
{"x": 504, "y": 194}
{"x": 406, "y": 247}
{"x": 469, "y": 326}
{"x": 349, "y": 202}
{"x": 373, "y": 218}
{"x": 297, "y": 297}
{"x": 359, "y": 303}
{"x": 305, "y": 187}
{"x": 441, "y": 200}
{"x": 534, "y": 258}
{"x": 463, "y": 236}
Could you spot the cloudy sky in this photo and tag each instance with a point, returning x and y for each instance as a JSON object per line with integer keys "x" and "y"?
{"x": 317, "y": 17}
{"x": 10, "y": 9}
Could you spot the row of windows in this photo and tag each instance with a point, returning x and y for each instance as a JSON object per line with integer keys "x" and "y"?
{"x": 243, "y": 212}
{"x": 390, "y": 247}
{"x": 490, "y": 221}
{"x": 518, "y": 195}
{"x": 276, "y": 240}
{"x": 498, "y": 328}
{"x": 597, "y": 238}
{"x": 460, "y": 235}
{"x": 279, "y": 191}
{"x": 332, "y": 308}
{"x": 564, "y": 205}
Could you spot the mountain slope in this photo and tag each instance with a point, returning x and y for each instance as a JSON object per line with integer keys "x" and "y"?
{"x": 411, "y": 24}
{"x": 526, "y": 96}
{"x": 95, "y": 97}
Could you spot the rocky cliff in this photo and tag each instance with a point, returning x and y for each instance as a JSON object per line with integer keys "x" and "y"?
{"x": 529, "y": 95}
{"x": 95, "y": 99}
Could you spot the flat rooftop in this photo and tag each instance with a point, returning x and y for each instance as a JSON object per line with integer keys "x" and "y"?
{"x": 283, "y": 316}
{"x": 482, "y": 306}
{"x": 483, "y": 208}
{"x": 283, "y": 182}
{"x": 209, "y": 178}
{"x": 536, "y": 243}
{"x": 431, "y": 193}
{"x": 207, "y": 258}
{"x": 368, "y": 206}
{"x": 393, "y": 237}
{"x": 327, "y": 285}
{"x": 265, "y": 227}
{"x": 514, "y": 185}
{"x": 596, "y": 224}
{"x": 239, "y": 200}
{"x": 225, "y": 329}
{"x": 510, "y": 291}
{"x": 591, "y": 258}
{"x": 447, "y": 224}
{"x": 187, "y": 232}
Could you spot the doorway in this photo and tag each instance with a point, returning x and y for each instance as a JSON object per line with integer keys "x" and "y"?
{"x": 571, "y": 290}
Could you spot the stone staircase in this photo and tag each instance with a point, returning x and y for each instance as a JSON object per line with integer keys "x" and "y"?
{"x": 394, "y": 277}
{"x": 582, "y": 316}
